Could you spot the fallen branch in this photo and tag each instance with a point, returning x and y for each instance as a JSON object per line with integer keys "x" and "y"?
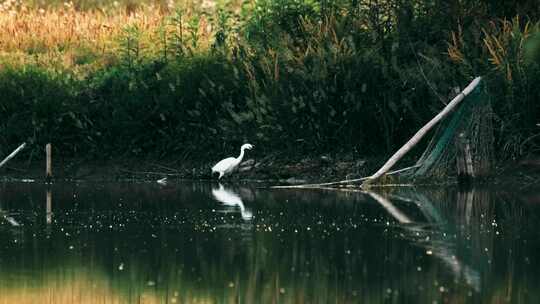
{"x": 320, "y": 185}
{"x": 12, "y": 154}
{"x": 343, "y": 182}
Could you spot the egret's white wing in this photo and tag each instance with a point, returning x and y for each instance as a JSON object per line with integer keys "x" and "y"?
{"x": 224, "y": 164}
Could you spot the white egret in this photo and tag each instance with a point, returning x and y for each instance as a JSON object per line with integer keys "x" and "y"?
{"x": 227, "y": 165}
{"x": 231, "y": 199}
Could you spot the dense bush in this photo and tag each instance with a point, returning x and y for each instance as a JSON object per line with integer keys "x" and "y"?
{"x": 293, "y": 75}
{"x": 39, "y": 106}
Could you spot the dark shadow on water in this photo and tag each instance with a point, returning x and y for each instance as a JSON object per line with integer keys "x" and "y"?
{"x": 213, "y": 243}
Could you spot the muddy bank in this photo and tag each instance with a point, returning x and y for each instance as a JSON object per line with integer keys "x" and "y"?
{"x": 270, "y": 168}
{"x": 274, "y": 168}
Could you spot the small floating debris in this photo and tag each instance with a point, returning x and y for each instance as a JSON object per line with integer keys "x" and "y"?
{"x": 162, "y": 181}
{"x": 12, "y": 221}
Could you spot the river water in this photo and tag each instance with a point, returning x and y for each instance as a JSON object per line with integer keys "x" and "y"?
{"x": 234, "y": 243}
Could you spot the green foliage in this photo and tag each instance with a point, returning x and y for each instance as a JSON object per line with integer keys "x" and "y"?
{"x": 162, "y": 107}
{"x": 40, "y": 106}
{"x": 271, "y": 19}
{"x": 297, "y": 75}
{"x": 508, "y": 49}
{"x": 130, "y": 47}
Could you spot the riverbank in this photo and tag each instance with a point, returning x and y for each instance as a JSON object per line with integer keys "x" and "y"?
{"x": 269, "y": 168}
{"x": 273, "y": 168}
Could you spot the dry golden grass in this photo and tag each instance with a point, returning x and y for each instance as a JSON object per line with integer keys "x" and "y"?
{"x": 504, "y": 41}
{"x": 67, "y": 37}
{"x": 455, "y": 47}
{"x": 38, "y": 31}
{"x": 504, "y": 45}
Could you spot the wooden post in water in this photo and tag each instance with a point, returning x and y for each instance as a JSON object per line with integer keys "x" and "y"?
{"x": 464, "y": 160}
{"x": 48, "y": 151}
{"x": 48, "y": 207}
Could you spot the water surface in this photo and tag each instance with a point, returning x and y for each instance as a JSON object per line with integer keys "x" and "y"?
{"x": 234, "y": 243}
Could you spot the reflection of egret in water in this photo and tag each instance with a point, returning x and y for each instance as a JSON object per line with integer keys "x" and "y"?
{"x": 231, "y": 199}
{"x": 439, "y": 248}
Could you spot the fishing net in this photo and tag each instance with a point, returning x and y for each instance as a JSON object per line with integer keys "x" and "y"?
{"x": 462, "y": 143}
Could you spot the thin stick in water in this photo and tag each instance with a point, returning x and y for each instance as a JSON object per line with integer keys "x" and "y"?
{"x": 343, "y": 182}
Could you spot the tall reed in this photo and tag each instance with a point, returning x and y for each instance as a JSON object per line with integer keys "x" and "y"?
{"x": 144, "y": 79}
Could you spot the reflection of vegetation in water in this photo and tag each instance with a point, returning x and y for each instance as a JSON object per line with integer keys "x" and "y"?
{"x": 190, "y": 275}
{"x": 68, "y": 285}
{"x": 151, "y": 245}
{"x": 484, "y": 229}
{"x": 436, "y": 243}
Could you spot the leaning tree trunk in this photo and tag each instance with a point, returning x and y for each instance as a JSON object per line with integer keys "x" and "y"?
{"x": 424, "y": 130}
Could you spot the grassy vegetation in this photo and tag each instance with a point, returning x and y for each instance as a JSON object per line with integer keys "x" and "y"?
{"x": 162, "y": 79}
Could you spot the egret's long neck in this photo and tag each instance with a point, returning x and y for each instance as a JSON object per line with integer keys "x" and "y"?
{"x": 242, "y": 208}
{"x": 239, "y": 158}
